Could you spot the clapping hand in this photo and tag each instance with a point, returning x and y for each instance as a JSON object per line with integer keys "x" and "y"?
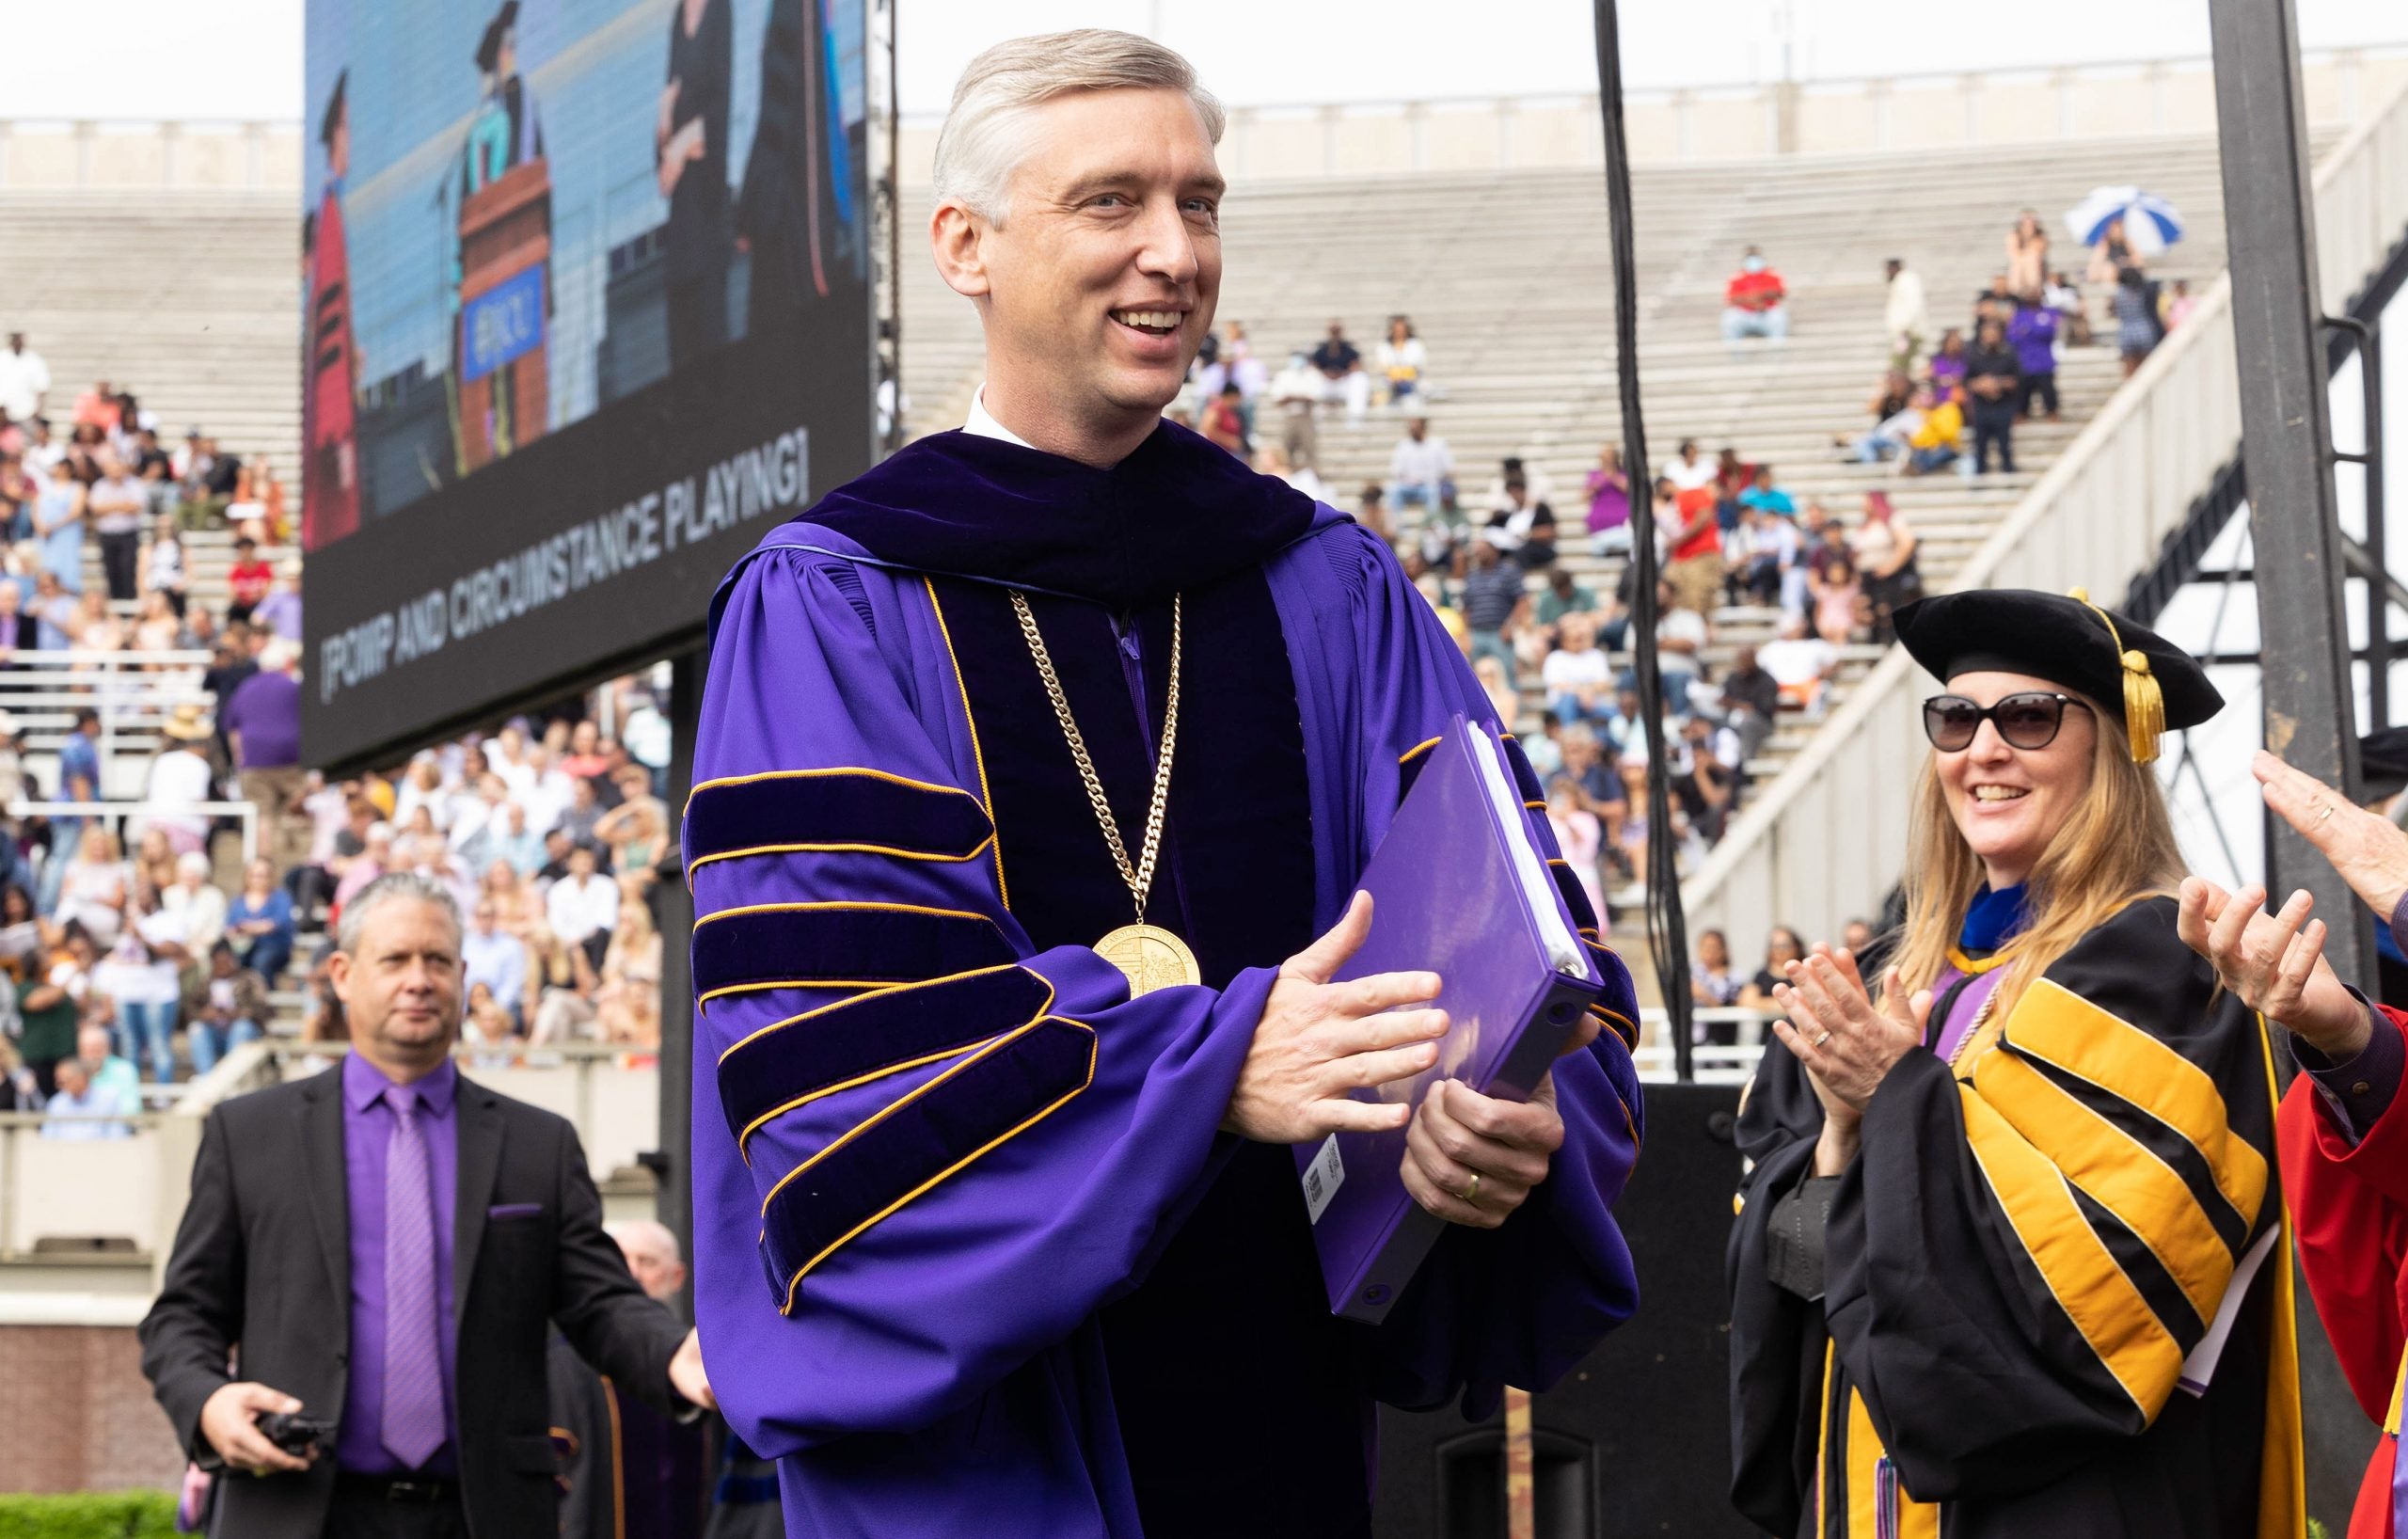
{"x": 2275, "y": 963}
{"x": 1847, "y": 1043}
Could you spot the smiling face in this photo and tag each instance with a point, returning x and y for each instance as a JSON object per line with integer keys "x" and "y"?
{"x": 2010, "y": 803}
{"x": 1097, "y": 286}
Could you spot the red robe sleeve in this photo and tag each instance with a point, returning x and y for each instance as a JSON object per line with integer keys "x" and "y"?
{"x": 2349, "y": 1211}
{"x": 2350, "y": 1204}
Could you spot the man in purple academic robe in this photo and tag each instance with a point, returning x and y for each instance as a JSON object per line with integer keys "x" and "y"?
{"x": 985, "y": 1245}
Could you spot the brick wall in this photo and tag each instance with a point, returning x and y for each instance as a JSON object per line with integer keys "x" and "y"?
{"x": 77, "y": 1413}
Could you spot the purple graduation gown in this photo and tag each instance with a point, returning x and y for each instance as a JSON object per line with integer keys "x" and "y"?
{"x": 963, "y": 1212}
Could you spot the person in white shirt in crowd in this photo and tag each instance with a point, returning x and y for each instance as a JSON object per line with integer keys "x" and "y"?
{"x": 583, "y": 906}
{"x": 428, "y": 856}
{"x": 117, "y": 505}
{"x": 1801, "y": 662}
{"x": 1421, "y": 468}
{"x": 422, "y": 786}
{"x": 1403, "y": 361}
{"x": 1906, "y": 315}
{"x": 44, "y": 450}
{"x": 24, "y": 380}
{"x": 643, "y": 730}
{"x": 180, "y": 777}
{"x": 1578, "y": 678}
{"x": 201, "y": 902}
{"x": 1687, "y": 469}
{"x": 76, "y": 1111}
{"x": 1294, "y": 392}
{"x": 141, "y": 975}
{"x": 1682, "y": 635}
{"x": 547, "y": 791}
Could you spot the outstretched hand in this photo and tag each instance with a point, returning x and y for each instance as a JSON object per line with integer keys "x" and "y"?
{"x": 2275, "y": 963}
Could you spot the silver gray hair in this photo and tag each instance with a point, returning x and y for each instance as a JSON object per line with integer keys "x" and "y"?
{"x": 984, "y": 135}
{"x": 385, "y": 889}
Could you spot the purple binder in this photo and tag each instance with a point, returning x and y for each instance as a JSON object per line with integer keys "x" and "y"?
{"x": 1459, "y": 887}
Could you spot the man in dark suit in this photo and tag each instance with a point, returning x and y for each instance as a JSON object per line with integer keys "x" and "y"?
{"x": 386, "y": 1244}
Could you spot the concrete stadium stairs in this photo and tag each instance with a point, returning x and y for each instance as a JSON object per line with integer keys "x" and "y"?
{"x": 190, "y": 300}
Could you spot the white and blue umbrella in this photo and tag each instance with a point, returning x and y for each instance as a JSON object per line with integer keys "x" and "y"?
{"x": 2151, "y": 223}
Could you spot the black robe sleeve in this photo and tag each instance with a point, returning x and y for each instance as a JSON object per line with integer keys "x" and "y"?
{"x": 1776, "y": 1338}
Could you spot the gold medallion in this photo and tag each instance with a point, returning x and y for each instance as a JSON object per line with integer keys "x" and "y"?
{"x": 1147, "y": 955}
{"x": 1150, "y": 958}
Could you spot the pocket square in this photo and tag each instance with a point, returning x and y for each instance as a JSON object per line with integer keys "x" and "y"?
{"x": 513, "y": 1210}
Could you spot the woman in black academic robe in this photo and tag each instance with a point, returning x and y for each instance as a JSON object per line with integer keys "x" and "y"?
{"x": 2009, "y": 1258}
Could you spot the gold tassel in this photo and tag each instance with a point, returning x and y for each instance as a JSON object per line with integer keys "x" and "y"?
{"x": 2143, "y": 697}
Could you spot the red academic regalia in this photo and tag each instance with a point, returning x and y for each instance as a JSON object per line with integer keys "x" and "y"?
{"x": 330, "y": 479}
{"x": 2350, "y": 1206}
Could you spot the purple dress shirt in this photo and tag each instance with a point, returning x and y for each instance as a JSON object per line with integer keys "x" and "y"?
{"x": 367, "y": 1129}
{"x": 2357, "y": 1090}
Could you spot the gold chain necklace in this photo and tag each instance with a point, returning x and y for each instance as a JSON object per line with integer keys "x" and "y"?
{"x": 1147, "y": 955}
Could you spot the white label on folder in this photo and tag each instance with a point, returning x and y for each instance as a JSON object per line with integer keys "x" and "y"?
{"x": 1322, "y": 1178}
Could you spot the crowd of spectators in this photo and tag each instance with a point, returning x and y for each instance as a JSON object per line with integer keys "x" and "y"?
{"x": 1271, "y": 419}
{"x": 2000, "y": 368}
{"x": 142, "y": 944}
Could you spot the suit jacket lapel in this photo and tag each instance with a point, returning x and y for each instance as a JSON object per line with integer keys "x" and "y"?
{"x": 329, "y": 1188}
{"x": 479, "y": 1120}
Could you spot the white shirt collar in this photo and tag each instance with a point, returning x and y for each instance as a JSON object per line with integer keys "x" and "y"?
{"x": 983, "y": 424}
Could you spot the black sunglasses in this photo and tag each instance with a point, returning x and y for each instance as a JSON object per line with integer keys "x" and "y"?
{"x": 2024, "y": 720}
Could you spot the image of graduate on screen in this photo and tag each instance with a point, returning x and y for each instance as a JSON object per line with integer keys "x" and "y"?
{"x": 556, "y": 208}
{"x": 331, "y": 378}
{"x": 502, "y": 260}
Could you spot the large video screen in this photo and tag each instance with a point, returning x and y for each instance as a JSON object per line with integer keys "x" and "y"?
{"x": 587, "y": 309}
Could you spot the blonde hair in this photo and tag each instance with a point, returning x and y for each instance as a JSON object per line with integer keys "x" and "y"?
{"x": 984, "y": 135}
{"x": 2117, "y": 846}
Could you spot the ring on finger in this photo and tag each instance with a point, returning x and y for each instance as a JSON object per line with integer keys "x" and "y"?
{"x": 2326, "y": 812}
{"x": 1471, "y": 1193}
{"x": 1821, "y": 1038}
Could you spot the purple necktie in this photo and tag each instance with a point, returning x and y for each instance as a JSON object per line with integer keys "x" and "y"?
{"x": 412, "y": 1360}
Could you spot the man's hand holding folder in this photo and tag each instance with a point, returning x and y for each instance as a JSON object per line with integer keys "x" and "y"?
{"x": 1318, "y": 1039}
{"x": 1470, "y": 1158}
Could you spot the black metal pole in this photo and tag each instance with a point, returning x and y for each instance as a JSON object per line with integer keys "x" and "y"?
{"x": 1667, "y": 926}
{"x": 894, "y": 190}
{"x": 2269, "y": 224}
{"x": 672, "y": 1163}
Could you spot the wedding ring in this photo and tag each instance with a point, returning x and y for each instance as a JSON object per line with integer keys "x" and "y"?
{"x": 1821, "y": 1037}
{"x": 1471, "y": 1193}
{"x": 2326, "y": 812}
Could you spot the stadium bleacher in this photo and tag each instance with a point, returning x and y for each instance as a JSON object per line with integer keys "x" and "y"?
{"x": 1507, "y": 278}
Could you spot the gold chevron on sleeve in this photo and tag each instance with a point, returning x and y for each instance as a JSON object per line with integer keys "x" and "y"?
{"x": 2061, "y": 1028}
{"x": 2115, "y": 1170}
{"x": 2075, "y": 1266}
